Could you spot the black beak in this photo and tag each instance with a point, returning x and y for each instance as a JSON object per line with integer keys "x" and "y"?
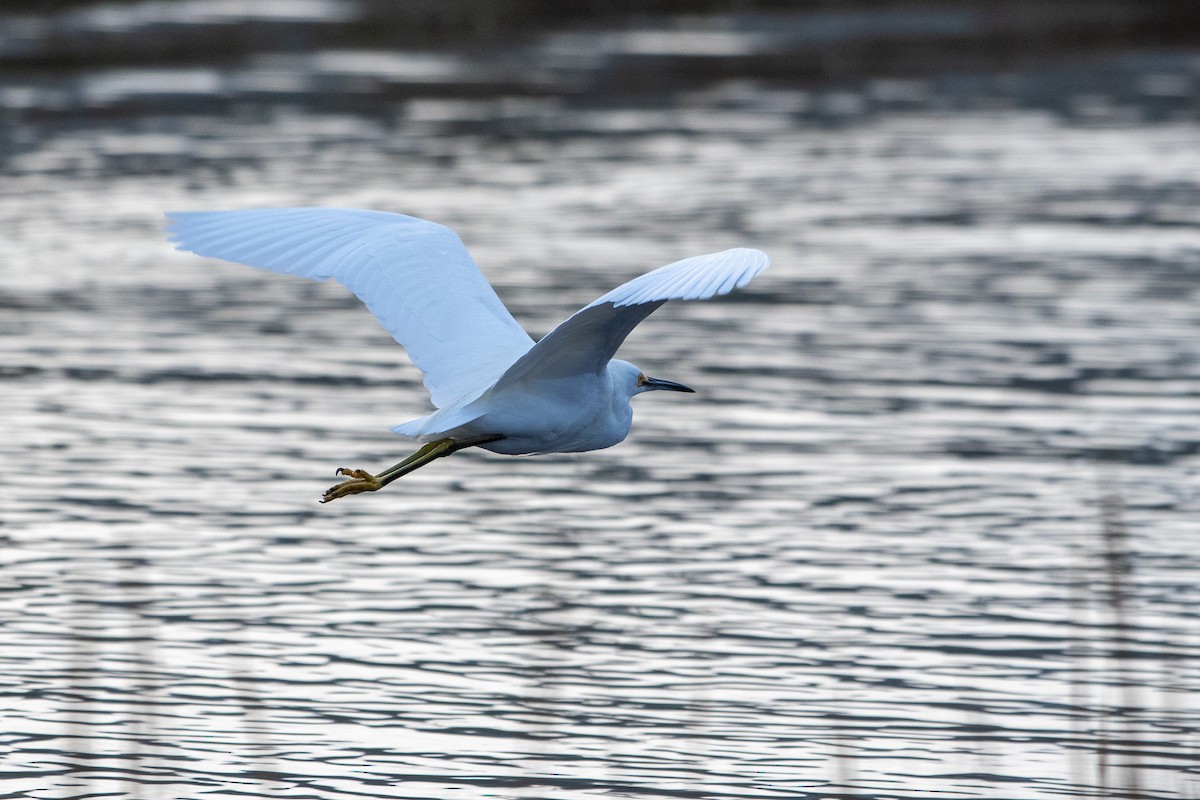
{"x": 670, "y": 386}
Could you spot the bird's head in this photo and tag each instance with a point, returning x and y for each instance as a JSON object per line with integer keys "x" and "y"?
{"x": 635, "y": 381}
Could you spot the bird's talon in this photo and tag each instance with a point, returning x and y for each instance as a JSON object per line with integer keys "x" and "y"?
{"x": 358, "y": 481}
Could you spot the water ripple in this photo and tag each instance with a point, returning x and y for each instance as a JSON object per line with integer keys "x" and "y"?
{"x": 926, "y": 528}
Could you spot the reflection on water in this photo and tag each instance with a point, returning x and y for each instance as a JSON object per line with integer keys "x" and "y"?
{"x": 928, "y": 526}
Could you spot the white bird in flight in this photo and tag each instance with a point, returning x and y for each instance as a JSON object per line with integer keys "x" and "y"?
{"x": 493, "y": 386}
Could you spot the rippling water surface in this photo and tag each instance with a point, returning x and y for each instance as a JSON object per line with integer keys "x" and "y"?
{"x": 928, "y": 527}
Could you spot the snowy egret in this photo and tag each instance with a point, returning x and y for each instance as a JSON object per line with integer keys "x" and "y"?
{"x": 493, "y": 387}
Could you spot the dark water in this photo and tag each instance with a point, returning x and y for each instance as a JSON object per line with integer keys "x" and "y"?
{"x": 929, "y": 527}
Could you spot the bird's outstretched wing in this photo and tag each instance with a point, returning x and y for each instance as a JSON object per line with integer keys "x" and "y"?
{"x": 587, "y": 340}
{"x": 416, "y": 277}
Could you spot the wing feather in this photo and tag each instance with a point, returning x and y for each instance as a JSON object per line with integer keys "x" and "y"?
{"x": 415, "y": 276}
{"x": 586, "y": 341}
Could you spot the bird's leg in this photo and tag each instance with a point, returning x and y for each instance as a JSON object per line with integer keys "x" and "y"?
{"x": 359, "y": 481}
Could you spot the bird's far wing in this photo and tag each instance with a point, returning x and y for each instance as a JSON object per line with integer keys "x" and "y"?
{"x": 416, "y": 277}
{"x": 586, "y": 341}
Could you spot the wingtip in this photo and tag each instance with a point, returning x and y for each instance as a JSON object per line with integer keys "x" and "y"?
{"x": 172, "y": 228}
{"x": 695, "y": 278}
{"x": 759, "y": 261}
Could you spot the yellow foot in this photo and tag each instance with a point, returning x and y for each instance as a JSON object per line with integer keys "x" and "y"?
{"x": 358, "y": 481}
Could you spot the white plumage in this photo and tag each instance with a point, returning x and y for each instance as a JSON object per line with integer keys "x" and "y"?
{"x": 492, "y": 385}
{"x": 416, "y": 277}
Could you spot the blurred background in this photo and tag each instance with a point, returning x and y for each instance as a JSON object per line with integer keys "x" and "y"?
{"x": 929, "y": 526}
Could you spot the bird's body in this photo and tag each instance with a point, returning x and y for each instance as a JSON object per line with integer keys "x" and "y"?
{"x": 558, "y": 415}
{"x": 493, "y": 386}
